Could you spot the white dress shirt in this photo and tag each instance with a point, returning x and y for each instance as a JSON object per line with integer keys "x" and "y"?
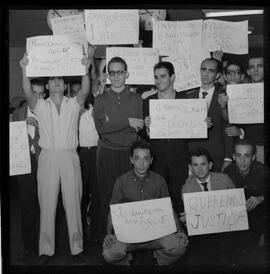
{"x": 209, "y": 95}
{"x": 206, "y": 180}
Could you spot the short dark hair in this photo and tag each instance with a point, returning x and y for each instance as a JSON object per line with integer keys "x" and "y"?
{"x": 236, "y": 63}
{"x": 118, "y": 59}
{"x": 38, "y": 82}
{"x": 143, "y": 145}
{"x": 218, "y": 64}
{"x": 200, "y": 151}
{"x": 256, "y": 53}
{"x": 245, "y": 142}
{"x": 167, "y": 65}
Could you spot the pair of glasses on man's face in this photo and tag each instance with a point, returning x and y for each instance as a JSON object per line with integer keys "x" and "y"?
{"x": 118, "y": 73}
{"x": 233, "y": 72}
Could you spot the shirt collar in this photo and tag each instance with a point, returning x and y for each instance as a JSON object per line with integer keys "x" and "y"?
{"x": 137, "y": 178}
{"x": 206, "y": 180}
{"x": 124, "y": 91}
{"x": 209, "y": 91}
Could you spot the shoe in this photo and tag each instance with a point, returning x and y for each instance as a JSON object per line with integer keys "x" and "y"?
{"x": 43, "y": 259}
{"x": 81, "y": 258}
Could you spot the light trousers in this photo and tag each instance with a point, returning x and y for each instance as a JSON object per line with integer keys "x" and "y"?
{"x": 59, "y": 167}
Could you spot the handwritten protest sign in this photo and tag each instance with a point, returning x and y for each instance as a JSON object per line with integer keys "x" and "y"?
{"x": 178, "y": 118}
{"x": 54, "y": 55}
{"x": 215, "y": 211}
{"x": 140, "y": 62}
{"x": 142, "y": 221}
{"x": 112, "y": 27}
{"x": 246, "y": 103}
{"x": 19, "y": 156}
{"x": 186, "y": 76}
{"x": 70, "y": 25}
{"x": 230, "y": 37}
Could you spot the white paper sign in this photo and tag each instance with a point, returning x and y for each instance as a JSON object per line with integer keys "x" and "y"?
{"x": 178, "y": 118}
{"x": 54, "y": 55}
{"x": 246, "y": 103}
{"x": 230, "y": 37}
{"x": 215, "y": 211}
{"x": 142, "y": 221}
{"x": 19, "y": 156}
{"x": 112, "y": 27}
{"x": 186, "y": 76}
{"x": 140, "y": 62}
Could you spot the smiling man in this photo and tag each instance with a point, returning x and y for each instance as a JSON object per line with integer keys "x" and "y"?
{"x": 170, "y": 154}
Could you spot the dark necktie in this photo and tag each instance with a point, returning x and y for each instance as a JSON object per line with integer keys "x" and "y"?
{"x": 204, "y": 93}
{"x": 205, "y": 188}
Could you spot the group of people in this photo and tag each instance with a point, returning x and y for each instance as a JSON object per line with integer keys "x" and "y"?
{"x": 95, "y": 142}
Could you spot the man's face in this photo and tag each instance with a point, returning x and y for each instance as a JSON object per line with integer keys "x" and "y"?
{"x": 56, "y": 84}
{"x": 39, "y": 91}
{"x": 209, "y": 72}
{"x": 74, "y": 89}
{"x": 233, "y": 75}
{"x": 163, "y": 80}
{"x": 200, "y": 167}
{"x": 243, "y": 157}
{"x": 255, "y": 69}
{"x": 141, "y": 160}
{"x": 117, "y": 74}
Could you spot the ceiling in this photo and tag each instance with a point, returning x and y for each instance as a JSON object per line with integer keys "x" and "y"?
{"x": 27, "y": 23}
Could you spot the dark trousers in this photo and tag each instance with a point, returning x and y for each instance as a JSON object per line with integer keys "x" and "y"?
{"x": 175, "y": 176}
{"x": 27, "y": 186}
{"x": 88, "y": 159}
{"x": 111, "y": 164}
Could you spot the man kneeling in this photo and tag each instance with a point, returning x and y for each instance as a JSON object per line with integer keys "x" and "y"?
{"x": 140, "y": 184}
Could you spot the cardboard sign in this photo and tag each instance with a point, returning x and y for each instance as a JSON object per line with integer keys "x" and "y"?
{"x": 112, "y": 27}
{"x": 178, "y": 118}
{"x": 230, "y": 37}
{"x": 142, "y": 221}
{"x": 215, "y": 211}
{"x": 19, "y": 156}
{"x": 246, "y": 103}
{"x": 54, "y": 55}
{"x": 140, "y": 62}
{"x": 186, "y": 76}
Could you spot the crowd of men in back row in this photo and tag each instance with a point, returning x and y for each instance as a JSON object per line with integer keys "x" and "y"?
{"x": 95, "y": 143}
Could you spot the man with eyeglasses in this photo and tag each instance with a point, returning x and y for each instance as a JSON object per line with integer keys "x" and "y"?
{"x": 118, "y": 118}
{"x": 210, "y": 71}
{"x": 58, "y": 161}
{"x": 27, "y": 183}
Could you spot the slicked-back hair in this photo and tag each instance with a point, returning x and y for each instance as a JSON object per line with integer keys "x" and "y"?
{"x": 219, "y": 66}
{"x": 236, "y": 63}
{"x": 167, "y": 65}
{"x": 38, "y": 82}
{"x": 142, "y": 145}
{"x": 245, "y": 142}
{"x": 199, "y": 151}
{"x": 118, "y": 59}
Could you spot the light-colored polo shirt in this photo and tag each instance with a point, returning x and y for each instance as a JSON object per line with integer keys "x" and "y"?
{"x": 88, "y": 136}
{"x": 58, "y": 131}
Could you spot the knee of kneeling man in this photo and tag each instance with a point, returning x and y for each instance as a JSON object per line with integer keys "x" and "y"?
{"x": 107, "y": 256}
{"x": 176, "y": 250}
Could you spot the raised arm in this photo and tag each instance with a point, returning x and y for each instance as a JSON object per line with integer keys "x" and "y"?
{"x": 85, "y": 89}
{"x": 91, "y": 50}
{"x": 26, "y": 84}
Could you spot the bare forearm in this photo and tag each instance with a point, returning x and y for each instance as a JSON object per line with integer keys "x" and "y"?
{"x": 109, "y": 229}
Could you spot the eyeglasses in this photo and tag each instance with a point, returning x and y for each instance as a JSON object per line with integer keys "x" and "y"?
{"x": 119, "y": 73}
{"x": 233, "y": 72}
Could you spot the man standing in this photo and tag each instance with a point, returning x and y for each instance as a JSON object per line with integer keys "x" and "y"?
{"x": 118, "y": 117}
{"x": 141, "y": 184}
{"x": 27, "y": 183}
{"x": 58, "y": 161}
{"x": 247, "y": 173}
{"x": 208, "y": 248}
{"x": 215, "y": 142}
{"x": 170, "y": 154}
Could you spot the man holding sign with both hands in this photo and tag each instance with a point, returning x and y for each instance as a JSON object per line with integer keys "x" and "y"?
{"x": 142, "y": 184}
{"x": 58, "y": 161}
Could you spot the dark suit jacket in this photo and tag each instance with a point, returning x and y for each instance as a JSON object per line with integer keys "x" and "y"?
{"x": 20, "y": 114}
{"x": 217, "y": 143}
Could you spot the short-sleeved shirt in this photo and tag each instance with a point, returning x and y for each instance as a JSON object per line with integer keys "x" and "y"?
{"x": 131, "y": 188}
{"x": 58, "y": 131}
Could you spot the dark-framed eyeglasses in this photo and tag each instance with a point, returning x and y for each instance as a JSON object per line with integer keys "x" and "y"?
{"x": 233, "y": 72}
{"x": 119, "y": 73}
